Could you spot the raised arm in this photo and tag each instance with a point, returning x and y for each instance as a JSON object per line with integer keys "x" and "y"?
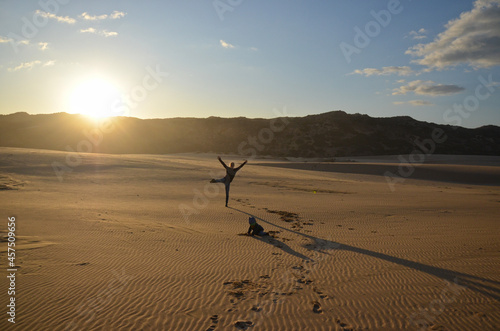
{"x": 241, "y": 166}
{"x": 222, "y": 162}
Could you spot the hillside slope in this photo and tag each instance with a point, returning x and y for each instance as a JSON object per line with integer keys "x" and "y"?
{"x": 324, "y": 135}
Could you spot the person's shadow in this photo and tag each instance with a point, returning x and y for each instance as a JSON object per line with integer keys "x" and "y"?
{"x": 488, "y": 287}
{"x": 268, "y": 239}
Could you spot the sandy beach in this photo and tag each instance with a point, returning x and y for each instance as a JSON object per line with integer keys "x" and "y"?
{"x": 144, "y": 242}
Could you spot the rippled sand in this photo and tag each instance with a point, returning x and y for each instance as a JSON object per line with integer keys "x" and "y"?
{"x": 144, "y": 242}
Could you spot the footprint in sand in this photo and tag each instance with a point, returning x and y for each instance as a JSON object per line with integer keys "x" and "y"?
{"x": 256, "y": 308}
{"x": 303, "y": 280}
{"x": 344, "y": 326}
{"x": 215, "y": 320}
{"x": 240, "y": 289}
{"x": 317, "y": 307}
{"x": 320, "y": 293}
{"x": 243, "y": 325}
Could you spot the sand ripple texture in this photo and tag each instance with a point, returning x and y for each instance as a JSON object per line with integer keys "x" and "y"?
{"x": 110, "y": 248}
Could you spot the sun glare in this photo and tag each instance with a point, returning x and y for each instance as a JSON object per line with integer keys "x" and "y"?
{"x": 95, "y": 97}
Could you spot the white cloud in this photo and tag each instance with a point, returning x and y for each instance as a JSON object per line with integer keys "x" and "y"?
{"x": 104, "y": 33}
{"x": 88, "y": 30}
{"x": 414, "y": 103}
{"x": 400, "y": 71}
{"x": 31, "y": 65}
{"x": 427, "y": 88}
{"x": 62, "y": 19}
{"x": 420, "y": 103}
{"x": 420, "y": 34}
{"x": 43, "y": 46}
{"x": 225, "y": 44}
{"x": 88, "y": 17}
{"x": 117, "y": 14}
{"x": 25, "y": 65}
{"x": 9, "y": 40}
{"x": 113, "y": 16}
{"x": 473, "y": 39}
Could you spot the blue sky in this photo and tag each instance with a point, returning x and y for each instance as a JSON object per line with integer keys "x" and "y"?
{"x": 233, "y": 58}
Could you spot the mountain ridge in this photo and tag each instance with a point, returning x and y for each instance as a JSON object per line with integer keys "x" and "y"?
{"x": 329, "y": 134}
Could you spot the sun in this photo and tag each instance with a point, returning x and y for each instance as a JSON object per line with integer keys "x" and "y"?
{"x": 95, "y": 97}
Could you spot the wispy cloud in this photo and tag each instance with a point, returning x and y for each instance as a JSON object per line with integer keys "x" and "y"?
{"x": 31, "y": 65}
{"x": 62, "y": 19}
{"x": 9, "y": 40}
{"x": 427, "y": 88}
{"x": 113, "y": 16}
{"x": 400, "y": 71}
{"x": 25, "y": 65}
{"x": 88, "y": 30}
{"x": 420, "y": 34}
{"x": 88, "y": 17}
{"x": 420, "y": 103}
{"x": 472, "y": 39}
{"x": 43, "y": 46}
{"x": 416, "y": 103}
{"x": 117, "y": 14}
{"x": 225, "y": 44}
{"x": 104, "y": 33}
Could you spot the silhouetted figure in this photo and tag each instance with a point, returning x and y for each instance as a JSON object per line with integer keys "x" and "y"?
{"x": 230, "y": 173}
{"x": 255, "y": 229}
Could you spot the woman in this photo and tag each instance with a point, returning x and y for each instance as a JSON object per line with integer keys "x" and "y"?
{"x": 230, "y": 173}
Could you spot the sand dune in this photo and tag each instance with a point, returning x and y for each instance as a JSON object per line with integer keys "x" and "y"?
{"x": 143, "y": 242}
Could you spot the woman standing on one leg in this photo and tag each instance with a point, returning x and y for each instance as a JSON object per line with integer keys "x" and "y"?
{"x": 230, "y": 173}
